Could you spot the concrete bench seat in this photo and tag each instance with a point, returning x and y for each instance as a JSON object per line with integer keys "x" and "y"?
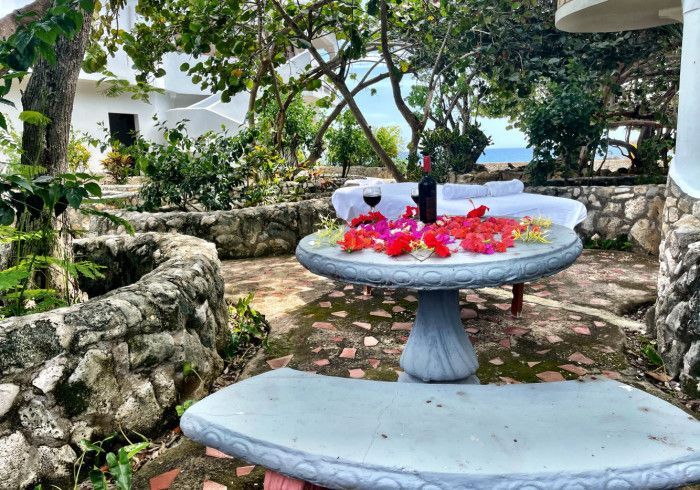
{"x": 355, "y": 434}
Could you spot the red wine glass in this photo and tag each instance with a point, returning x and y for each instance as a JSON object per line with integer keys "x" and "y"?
{"x": 414, "y": 195}
{"x": 372, "y": 195}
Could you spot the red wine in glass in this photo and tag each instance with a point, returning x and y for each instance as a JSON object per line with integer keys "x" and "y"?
{"x": 372, "y": 196}
{"x": 414, "y": 195}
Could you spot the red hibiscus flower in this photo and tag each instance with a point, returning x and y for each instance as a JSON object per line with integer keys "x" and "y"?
{"x": 411, "y": 212}
{"x": 369, "y": 218}
{"x": 398, "y": 245}
{"x": 431, "y": 241}
{"x": 354, "y": 240}
{"x": 478, "y": 212}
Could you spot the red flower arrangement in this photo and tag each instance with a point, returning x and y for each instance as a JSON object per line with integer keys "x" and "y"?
{"x": 472, "y": 233}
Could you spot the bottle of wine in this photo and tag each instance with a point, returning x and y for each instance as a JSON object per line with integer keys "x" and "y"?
{"x": 427, "y": 194}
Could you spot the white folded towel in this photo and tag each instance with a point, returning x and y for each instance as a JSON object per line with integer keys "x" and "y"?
{"x": 504, "y": 188}
{"x": 367, "y": 181}
{"x": 463, "y": 191}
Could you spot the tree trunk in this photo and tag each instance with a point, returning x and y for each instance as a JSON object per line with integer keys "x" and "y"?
{"x": 51, "y": 91}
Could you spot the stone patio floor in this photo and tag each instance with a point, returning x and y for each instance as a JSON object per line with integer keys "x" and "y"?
{"x": 574, "y": 324}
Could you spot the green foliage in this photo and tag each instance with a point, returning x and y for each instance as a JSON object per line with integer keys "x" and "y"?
{"x": 620, "y": 242}
{"x": 29, "y": 211}
{"x": 118, "y": 165}
{"x": 247, "y": 325}
{"x": 215, "y": 171}
{"x": 453, "y": 151}
{"x": 566, "y": 119}
{"x": 78, "y": 154}
{"x": 109, "y": 470}
{"x": 649, "y": 351}
{"x": 348, "y": 146}
{"x": 36, "y": 40}
{"x": 300, "y": 125}
{"x": 180, "y": 409}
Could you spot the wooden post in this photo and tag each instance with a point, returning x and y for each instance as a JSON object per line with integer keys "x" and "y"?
{"x": 516, "y": 307}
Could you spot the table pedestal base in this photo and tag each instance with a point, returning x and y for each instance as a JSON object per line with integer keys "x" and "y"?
{"x": 438, "y": 349}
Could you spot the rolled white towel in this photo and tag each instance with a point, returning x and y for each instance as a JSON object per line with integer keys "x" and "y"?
{"x": 365, "y": 182}
{"x": 504, "y": 188}
{"x": 463, "y": 191}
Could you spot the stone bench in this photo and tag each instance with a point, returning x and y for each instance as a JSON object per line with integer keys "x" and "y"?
{"x": 354, "y": 434}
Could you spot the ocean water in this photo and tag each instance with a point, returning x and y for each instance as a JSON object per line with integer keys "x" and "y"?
{"x": 506, "y": 155}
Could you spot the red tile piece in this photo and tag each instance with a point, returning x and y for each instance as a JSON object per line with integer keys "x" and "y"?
{"x": 402, "y": 326}
{"x": 244, "y": 470}
{"x": 280, "y": 362}
{"x": 164, "y": 480}
{"x": 398, "y": 309}
{"x": 509, "y": 381}
{"x": 370, "y": 341}
{"x": 554, "y": 339}
{"x": 212, "y": 485}
{"x": 380, "y": 313}
{"x": 542, "y": 352}
{"x": 374, "y": 363}
{"x": 505, "y": 343}
{"x": 336, "y": 294}
{"x": 337, "y": 339}
{"x": 324, "y": 326}
{"x": 533, "y": 363}
{"x": 316, "y": 350}
{"x": 503, "y": 306}
{"x": 325, "y": 304}
{"x": 472, "y": 330}
{"x": 340, "y": 314}
{"x": 215, "y": 453}
{"x": 550, "y": 376}
{"x": 411, "y": 299}
{"x": 348, "y": 353}
{"x": 581, "y": 330}
{"x": 363, "y": 325}
{"x": 611, "y": 374}
{"x": 600, "y": 324}
{"x": 391, "y": 351}
{"x": 322, "y": 362}
{"x": 581, "y": 359}
{"x": 574, "y": 369}
{"x": 356, "y": 373}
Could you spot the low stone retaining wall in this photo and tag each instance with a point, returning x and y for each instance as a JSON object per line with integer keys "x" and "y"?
{"x": 115, "y": 361}
{"x": 622, "y": 210}
{"x": 355, "y": 171}
{"x": 677, "y": 315}
{"x": 237, "y": 234}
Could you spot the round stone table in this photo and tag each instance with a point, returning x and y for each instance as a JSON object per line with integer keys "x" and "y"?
{"x": 438, "y": 348}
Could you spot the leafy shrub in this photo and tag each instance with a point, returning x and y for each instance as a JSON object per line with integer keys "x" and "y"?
{"x": 247, "y": 325}
{"x": 214, "y": 171}
{"x": 118, "y": 165}
{"x": 453, "y": 151}
{"x": 566, "y": 119}
{"x": 78, "y": 154}
{"x": 29, "y": 210}
{"x": 348, "y": 146}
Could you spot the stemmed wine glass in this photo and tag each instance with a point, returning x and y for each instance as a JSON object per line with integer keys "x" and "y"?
{"x": 414, "y": 195}
{"x": 372, "y": 195}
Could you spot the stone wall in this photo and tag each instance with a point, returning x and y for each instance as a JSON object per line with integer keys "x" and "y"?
{"x": 355, "y": 171}
{"x": 677, "y": 315}
{"x": 116, "y": 360}
{"x": 240, "y": 233}
{"x": 622, "y": 210}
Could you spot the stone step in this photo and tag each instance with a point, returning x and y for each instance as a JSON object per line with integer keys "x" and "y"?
{"x": 344, "y": 433}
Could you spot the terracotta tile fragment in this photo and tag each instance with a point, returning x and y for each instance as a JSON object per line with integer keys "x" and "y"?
{"x": 468, "y": 314}
{"x": 212, "y": 485}
{"x": 380, "y": 313}
{"x": 356, "y": 373}
{"x": 574, "y": 369}
{"x": 398, "y": 309}
{"x": 370, "y": 341}
{"x": 581, "y": 330}
{"x": 402, "y": 326}
{"x": 348, "y": 353}
{"x": 280, "y": 362}
{"x": 554, "y": 339}
{"x": 215, "y": 453}
{"x": 324, "y": 326}
{"x": 550, "y": 376}
{"x": 374, "y": 363}
{"x": 581, "y": 359}
{"x": 336, "y": 294}
{"x": 322, "y": 362}
{"x": 164, "y": 480}
{"x": 244, "y": 470}
{"x": 363, "y": 325}
{"x": 410, "y": 298}
{"x": 517, "y": 331}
